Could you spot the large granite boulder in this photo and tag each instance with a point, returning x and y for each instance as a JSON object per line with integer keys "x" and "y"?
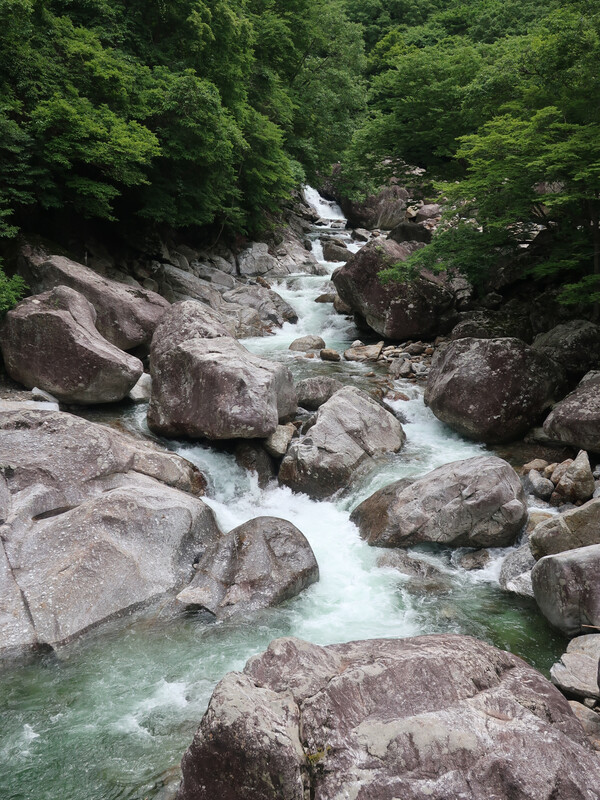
{"x": 428, "y": 718}
{"x": 478, "y": 502}
{"x": 126, "y": 315}
{"x": 515, "y": 572}
{"x": 50, "y": 341}
{"x": 206, "y": 385}
{"x": 351, "y": 430}
{"x": 313, "y": 392}
{"x": 410, "y": 231}
{"x": 577, "y": 671}
{"x": 575, "y": 345}
{"x": 386, "y": 209}
{"x": 567, "y": 589}
{"x": 398, "y": 311}
{"x": 578, "y": 527}
{"x": 491, "y": 390}
{"x": 576, "y": 419}
{"x": 257, "y": 565}
{"x": 96, "y": 524}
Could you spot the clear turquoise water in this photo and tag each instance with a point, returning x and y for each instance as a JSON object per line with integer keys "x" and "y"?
{"x": 110, "y": 716}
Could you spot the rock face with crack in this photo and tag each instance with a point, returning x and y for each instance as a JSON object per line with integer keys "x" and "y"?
{"x": 50, "y": 341}
{"x": 429, "y": 718}
{"x": 257, "y": 565}
{"x": 478, "y": 502}
{"x": 351, "y": 431}
{"x": 126, "y": 316}
{"x": 206, "y": 385}
{"x": 95, "y": 524}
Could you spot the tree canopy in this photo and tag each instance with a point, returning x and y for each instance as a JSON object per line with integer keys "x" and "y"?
{"x": 497, "y": 102}
{"x": 175, "y": 113}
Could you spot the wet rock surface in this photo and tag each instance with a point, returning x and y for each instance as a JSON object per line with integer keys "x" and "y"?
{"x": 350, "y": 431}
{"x": 430, "y": 717}
{"x": 478, "y": 502}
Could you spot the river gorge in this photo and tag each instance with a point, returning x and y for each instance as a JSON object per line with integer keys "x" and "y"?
{"x": 109, "y": 716}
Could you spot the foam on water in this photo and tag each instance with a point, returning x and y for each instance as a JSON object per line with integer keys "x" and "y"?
{"x": 326, "y": 209}
{"x": 105, "y": 717}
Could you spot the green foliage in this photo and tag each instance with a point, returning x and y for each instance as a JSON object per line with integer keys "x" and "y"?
{"x": 11, "y": 291}
{"x": 495, "y": 105}
{"x": 183, "y": 113}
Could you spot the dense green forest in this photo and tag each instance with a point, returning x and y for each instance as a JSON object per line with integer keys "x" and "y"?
{"x": 194, "y": 113}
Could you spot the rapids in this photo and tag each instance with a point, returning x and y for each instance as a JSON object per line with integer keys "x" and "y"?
{"x": 110, "y": 716}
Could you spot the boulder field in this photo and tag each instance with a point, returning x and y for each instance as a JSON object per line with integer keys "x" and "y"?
{"x": 428, "y": 718}
{"x": 95, "y": 524}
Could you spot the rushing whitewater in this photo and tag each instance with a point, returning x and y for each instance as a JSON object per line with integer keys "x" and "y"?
{"x": 109, "y": 716}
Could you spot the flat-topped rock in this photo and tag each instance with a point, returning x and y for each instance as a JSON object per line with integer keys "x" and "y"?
{"x": 577, "y": 671}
